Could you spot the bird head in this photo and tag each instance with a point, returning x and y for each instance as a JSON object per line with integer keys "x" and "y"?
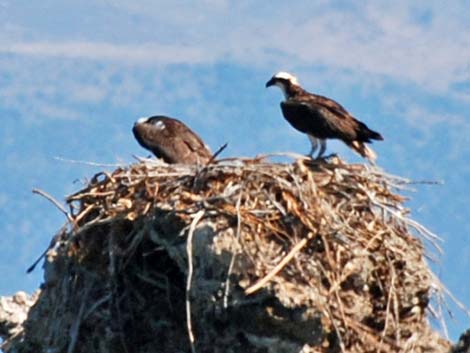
{"x": 284, "y": 81}
{"x": 157, "y": 121}
{"x": 141, "y": 120}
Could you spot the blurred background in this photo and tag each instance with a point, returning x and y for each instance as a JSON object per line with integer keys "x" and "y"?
{"x": 74, "y": 78}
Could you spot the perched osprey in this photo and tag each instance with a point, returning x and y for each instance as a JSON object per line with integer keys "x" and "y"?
{"x": 322, "y": 118}
{"x": 171, "y": 140}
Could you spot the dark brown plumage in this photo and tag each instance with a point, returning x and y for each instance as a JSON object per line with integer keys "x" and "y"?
{"x": 322, "y": 118}
{"x": 171, "y": 140}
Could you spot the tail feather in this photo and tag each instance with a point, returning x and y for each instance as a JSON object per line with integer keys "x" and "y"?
{"x": 363, "y": 150}
{"x": 375, "y": 135}
{"x": 366, "y": 134}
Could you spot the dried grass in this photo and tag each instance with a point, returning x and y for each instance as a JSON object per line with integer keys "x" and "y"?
{"x": 302, "y": 257}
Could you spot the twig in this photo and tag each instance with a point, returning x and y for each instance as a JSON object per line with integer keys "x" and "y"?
{"x": 389, "y": 300}
{"x": 150, "y": 160}
{"x": 35, "y": 263}
{"x": 75, "y": 327}
{"x": 293, "y": 155}
{"x": 426, "y": 233}
{"x": 83, "y": 213}
{"x": 232, "y": 260}
{"x": 189, "y": 251}
{"x": 54, "y": 240}
{"x": 337, "y": 330}
{"x": 426, "y": 182}
{"x": 100, "y": 301}
{"x": 94, "y": 164}
{"x": 112, "y": 285}
{"x": 440, "y": 287}
{"x": 262, "y": 282}
{"x": 54, "y": 202}
{"x": 204, "y": 170}
{"x": 219, "y": 151}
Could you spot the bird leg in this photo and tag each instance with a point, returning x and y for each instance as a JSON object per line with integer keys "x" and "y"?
{"x": 314, "y": 142}
{"x": 322, "y": 148}
{"x": 330, "y": 156}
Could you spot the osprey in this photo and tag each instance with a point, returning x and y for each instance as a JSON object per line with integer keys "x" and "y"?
{"x": 322, "y": 118}
{"x": 171, "y": 140}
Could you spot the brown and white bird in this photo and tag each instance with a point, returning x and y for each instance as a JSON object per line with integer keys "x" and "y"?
{"x": 322, "y": 118}
{"x": 171, "y": 140}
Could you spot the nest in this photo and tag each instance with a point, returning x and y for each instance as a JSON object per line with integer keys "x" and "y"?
{"x": 238, "y": 256}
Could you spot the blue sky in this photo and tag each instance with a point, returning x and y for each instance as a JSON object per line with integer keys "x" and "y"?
{"x": 74, "y": 78}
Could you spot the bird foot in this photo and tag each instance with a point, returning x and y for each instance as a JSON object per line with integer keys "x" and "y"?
{"x": 327, "y": 157}
{"x": 331, "y": 156}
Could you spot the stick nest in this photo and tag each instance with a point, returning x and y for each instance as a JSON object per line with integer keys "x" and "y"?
{"x": 242, "y": 255}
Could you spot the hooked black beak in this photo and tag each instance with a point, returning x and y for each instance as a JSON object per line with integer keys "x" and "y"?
{"x": 271, "y": 82}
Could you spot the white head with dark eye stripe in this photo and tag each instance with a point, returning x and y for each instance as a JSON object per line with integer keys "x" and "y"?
{"x": 284, "y": 81}
{"x": 282, "y": 75}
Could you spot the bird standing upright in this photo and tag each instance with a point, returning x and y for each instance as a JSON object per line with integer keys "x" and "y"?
{"x": 322, "y": 118}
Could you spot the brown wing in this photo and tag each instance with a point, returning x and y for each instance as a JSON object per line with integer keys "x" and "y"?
{"x": 328, "y": 103}
{"x": 336, "y": 121}
{"x": 193, "y": 142}
{"x": 188, "y": 148}
{"x": 172, "y": 141}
